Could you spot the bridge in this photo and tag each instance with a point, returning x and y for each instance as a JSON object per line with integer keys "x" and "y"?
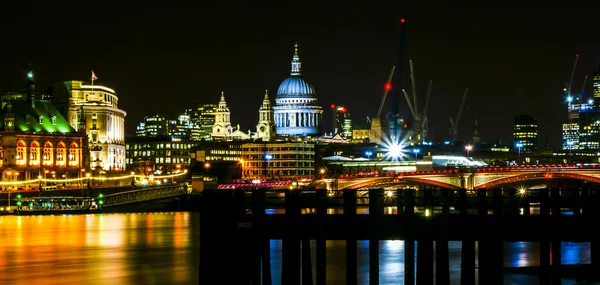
{"x": 144, "y": 194}
{"x": 472, "y": 179}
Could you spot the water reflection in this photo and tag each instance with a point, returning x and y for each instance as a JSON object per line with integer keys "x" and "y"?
{"x": 100, "y": 249}
{"x": 391, "y": 261}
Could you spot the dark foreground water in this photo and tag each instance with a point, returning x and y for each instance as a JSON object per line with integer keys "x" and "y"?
{"x": 162, "y": 248}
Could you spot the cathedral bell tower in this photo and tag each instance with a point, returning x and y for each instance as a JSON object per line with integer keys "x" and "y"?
{"x": 265, "y": 130}
{"x": 222, "y": 127}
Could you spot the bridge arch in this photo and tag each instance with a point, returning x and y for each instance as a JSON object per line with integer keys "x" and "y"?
{"x": 374, "y": 182}
{"x": 537, "y": 175}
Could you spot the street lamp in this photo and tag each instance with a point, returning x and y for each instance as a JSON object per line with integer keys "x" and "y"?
{"x": 519, "y": 146}
{"x": 468, "y": 149}
{"x": 368, "y": 153}
{"x": 268, "y": 158}
{"x": 416, "y": 152}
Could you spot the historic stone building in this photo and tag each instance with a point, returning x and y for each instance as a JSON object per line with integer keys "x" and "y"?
{"x": 37, "y": 141}
{"x": 95, "y": 108}
{"x": 297, "y": 111}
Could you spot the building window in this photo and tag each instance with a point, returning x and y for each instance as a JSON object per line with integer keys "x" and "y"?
{"x": 41, "y": 119}
{"x": 53, "y": 120}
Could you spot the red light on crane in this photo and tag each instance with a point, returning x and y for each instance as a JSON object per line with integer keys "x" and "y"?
{"x": 388, "y": 86}
{"x": 332, "y": 106}
{"x": 402, "y": 20}
{"x": 577, "y": 54}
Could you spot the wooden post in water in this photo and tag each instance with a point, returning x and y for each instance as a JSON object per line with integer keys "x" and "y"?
{"x": 556, "y": 244}
{"x": 307, "y": 277}
{"x": 208, "y": 230}
{"x": 321, "y": 242}
{"x": 496, "y": 244}
{"x": 576, "y": 200}
{"x": 375, "y": 213}
{"x": 351, "y": 254}
{"x": 264, "y": 245}
{"x": 467, "y": 270}
{"x": 595, "y": 243}
{"x": 290, "y": 262}
{"x": 425, "y": 245}
{"x": 544, "y": 243}
{"x": 409, "y": 243}
{"x": 483, "y": 249}
{"x": 442, "y": 263}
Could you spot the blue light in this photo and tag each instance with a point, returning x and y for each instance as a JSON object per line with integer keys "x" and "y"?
{"x": 368, "y": 153}
{"x": 569, "y": 99}
{"x": 416, "y": 150}
{"x": 519, "y": 145}
{"x": 268, "y": 156}
{"x": 447, "y": 142}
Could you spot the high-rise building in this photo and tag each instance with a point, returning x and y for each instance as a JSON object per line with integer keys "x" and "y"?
{"x": 297, "y": 112}
{"x": 153, "y": 126}
{"x": 96, "y": 107}
{"x": 342, "y": 122}
{"x": 278, "y": 161}
{"x": 596, "y": 81}
{"x": 525, "y": 133}
{"x": 204, "y": 118}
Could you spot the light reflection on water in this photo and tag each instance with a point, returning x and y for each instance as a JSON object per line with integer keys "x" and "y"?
{"x": 391, "y": 261}
{"x": 155, "y": 248}
{"x": 163, "y": 248}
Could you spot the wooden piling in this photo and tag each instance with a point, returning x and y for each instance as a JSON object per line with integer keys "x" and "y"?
{"x": 467, "y": 266}
{"x": 442, "y": 263}
{"x": 375, "y": 213}
{"x": 409, "y": 243}
{"x": 290, "y": 262}
{"x": 351, "y": 248}
{"x": 321, "y": 242}
{"x": 545, "y": 242}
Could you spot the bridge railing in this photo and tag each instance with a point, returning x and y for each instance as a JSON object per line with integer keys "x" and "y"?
{"x": 145, "y": 194}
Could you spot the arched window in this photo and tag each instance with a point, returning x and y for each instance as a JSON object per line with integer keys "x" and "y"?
{"x": 47, "y": 156}
{"x": 34, "y": 153}
{"x": 61, "y": 154}
{"x": 74, "y": 154}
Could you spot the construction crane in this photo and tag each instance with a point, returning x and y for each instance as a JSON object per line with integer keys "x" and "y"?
{"x": 386, "y": 88}
{"x": 420, "y": 118}
{"x": 454, "y": 122}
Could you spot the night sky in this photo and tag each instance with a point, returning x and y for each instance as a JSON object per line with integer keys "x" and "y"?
{"x": 514, "y": 58}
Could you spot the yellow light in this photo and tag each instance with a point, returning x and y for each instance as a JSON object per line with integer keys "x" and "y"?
{"x": 322, "y": 170}
{"x": 87, "y": 175}
{"x": 427, "y": 214}
{"x": 390, "y": 194}
{"x": 8, "y": 172}
{"x": 207, "y": 165}
{"x": 132, "y": 173}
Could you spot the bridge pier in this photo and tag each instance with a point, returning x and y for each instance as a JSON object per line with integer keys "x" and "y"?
{"x": 375, "y": 212}
{"x": 408, "y": 201}
{"x": 290, "y": 245}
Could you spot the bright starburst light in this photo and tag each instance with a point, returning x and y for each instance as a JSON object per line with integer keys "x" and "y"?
{"x": 395, "y": 148}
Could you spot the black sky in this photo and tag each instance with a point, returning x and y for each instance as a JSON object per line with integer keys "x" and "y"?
{"x": 514, "y": 57}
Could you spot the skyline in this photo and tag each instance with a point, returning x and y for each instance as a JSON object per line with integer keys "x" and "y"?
{"x": 506, "y": 59}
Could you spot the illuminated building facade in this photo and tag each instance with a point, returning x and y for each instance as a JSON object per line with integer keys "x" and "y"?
{"x": 94, "y": 108}
{"x": 342, "y": 122}
{"x": 204, "y": 118}
{"x": 36, "y": 140}
{"x": 278, "y": 161}
{"x": 297, "y": 112}
{"x": 265, "y": 130}
{"x": 157, "y": 155}
{"x": 525, "y": 133}
{"x": 152, "y": 126}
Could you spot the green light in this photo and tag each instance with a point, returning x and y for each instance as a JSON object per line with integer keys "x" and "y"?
{"x": 19, "y": 203}
{"x": 30, "y": 75}
{"x": 100, "y": 195}
{"x": 19, "y": 196}
{"x": 100, "y": 202}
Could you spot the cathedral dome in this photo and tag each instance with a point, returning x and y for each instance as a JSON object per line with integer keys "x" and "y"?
{"x": 295, "y": 87}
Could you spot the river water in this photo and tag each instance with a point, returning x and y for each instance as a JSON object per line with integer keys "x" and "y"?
{"x": 163, "y": 248}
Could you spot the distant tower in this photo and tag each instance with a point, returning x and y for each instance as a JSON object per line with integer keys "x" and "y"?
{"x": 9, "y": 118}
{"x": 222, "y": 127}
{"x": 265, "y": 129}
{"x": 31, "y": 87}
{"x": 476, "y": 138}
